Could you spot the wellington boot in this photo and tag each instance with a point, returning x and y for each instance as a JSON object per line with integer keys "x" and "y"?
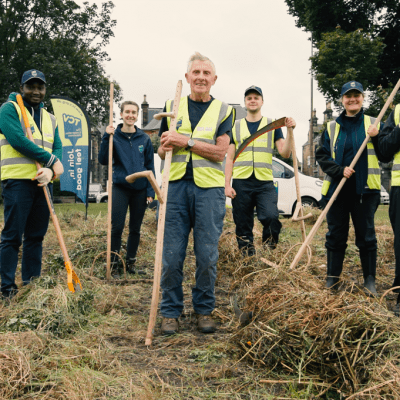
{"x": 368, "y": 264}
{"x": 396, "y": 283}
{"x": 334, "y": 268}
{"x": 369, "y": 285}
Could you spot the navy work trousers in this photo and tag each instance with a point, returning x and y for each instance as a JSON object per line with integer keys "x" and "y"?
{"x": 190, "y": 206}
{"x": 362, "y": 210}
{"x": 394, "y": 214}
{"x": 26, "y": 216}
{"x": 262, "y": 196}
{"x": 122, "y": 198}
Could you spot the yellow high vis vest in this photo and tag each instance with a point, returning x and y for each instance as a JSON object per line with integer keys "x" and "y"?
{"x": 15, "y": 165}
{"x": 374, "y": 172}
{"x": 206, "y": 173}
{"x": 257, "y": 155}
{"x": 396, "y": 160}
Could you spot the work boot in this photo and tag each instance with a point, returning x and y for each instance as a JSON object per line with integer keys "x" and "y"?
{"x": 169, "y": 326}
{"x": 396, "y": 282}
{"x": 206, "y": 324}
{"x": 368, "y": 264}
{"x": 334, "y": 268}
{"x": 130, "y": 267}
{"x": 248, "y": 251}
{"x": 116, "y": 269}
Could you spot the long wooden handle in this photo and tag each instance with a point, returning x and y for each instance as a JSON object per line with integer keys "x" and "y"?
{"x": 150, "y": 176}
{"x": 299, "y": 208}
{"x": 109, "y": 188}
{"x": 318, "y": 223}
{"x": 161, "y": 224}
{"x": 71, "y": 275}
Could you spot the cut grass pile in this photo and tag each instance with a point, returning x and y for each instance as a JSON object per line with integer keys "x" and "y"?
{"x": 90, "y": 345}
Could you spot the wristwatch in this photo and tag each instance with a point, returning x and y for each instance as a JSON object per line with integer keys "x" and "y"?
{"x": 190, "y": 144}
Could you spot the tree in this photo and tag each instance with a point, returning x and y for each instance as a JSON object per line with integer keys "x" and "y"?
{"x": 355, "y": 39}
{"x": 65, "y": 42}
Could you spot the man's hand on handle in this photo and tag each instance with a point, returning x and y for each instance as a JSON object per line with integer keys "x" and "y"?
{"x": 44, "y": 176}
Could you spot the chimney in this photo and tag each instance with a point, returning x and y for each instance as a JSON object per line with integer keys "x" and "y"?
{"x": 145, "y": 112}
{"x": 315, "y": 119}
{"x": 328, "y": 112}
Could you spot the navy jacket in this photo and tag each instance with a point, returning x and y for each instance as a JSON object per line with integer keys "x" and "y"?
{"x": 130, "y": 155}
{"x": 335, "y": 167}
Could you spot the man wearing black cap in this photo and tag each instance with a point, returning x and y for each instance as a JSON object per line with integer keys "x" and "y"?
{"x": 26, "y": 214}
{"x": 253, "y": 184}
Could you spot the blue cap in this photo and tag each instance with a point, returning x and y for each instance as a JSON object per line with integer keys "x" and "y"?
{"x": 32, "y": 74}
{"x": 353, "y": 85}
{"x": 254, "y": 89}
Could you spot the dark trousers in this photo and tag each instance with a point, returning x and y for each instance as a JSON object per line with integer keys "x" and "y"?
{"x": 122, "y": 198}
{"x": 394, "y": 215}
{"x": 26, "y": 216}
{"x": 362, "y": 211}
{"x": 262, "y": 196}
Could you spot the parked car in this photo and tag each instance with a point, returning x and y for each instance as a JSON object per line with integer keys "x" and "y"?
{"x": 384, "y": 196}
{"x": 97, "y": 193}
{"x": 310, "y": 187}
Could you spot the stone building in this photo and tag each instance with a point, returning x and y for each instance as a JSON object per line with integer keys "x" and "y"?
{"x": 310, "y": 166}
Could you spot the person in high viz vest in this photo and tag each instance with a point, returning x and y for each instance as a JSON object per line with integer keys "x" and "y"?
{"x": 196, "y": 194}
{"x": 253, "y": 185}
{"x": 360, "y": 195}
{"x": 389, "y": 145}
{"x": 26, "y": 214}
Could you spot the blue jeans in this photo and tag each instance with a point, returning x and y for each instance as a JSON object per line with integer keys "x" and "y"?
{"x": 190, "y": 206}
{"x": 26, "y": 215}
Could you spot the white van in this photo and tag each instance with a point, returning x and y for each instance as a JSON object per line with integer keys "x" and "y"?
{"x": 310, "y": 188}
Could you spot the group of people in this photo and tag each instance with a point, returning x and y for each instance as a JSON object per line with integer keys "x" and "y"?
{"x": 205, "y": 136}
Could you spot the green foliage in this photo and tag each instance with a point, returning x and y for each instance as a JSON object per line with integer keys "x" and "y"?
{"x": 155, "y": 141}
{"x": 65, "y": 42}
{"x": 355, "y": 39}
{"x": 337, "y": 62}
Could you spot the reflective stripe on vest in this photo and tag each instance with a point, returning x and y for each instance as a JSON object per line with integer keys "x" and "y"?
{"x": 396, "y": 160}
{"x": 206, "y": 173}
{"x": 257, "y": 156}
{"x": 15, "y": 165}
{"x": 374, "y": 172}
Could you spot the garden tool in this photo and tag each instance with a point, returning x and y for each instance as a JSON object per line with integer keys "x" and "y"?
{"x": 73, "y": 281}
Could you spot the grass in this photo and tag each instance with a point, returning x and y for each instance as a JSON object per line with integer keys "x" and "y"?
{"x": 90, "y": 345}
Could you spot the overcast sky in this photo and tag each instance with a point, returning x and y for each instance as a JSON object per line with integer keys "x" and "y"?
{"x": 252, "y": 42}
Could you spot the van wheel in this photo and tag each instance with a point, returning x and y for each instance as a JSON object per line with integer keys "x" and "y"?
{"x": 306, "y": 202}
{"x": 309, "y": 202}
{"x": 104, "y": 200}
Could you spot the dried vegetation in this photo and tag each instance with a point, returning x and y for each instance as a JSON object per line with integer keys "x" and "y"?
{"x": 303, "y": 341}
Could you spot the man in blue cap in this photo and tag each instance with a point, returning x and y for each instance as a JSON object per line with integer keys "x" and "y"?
{"x": 253, "y": 185}
{"x": 26, "y": 214}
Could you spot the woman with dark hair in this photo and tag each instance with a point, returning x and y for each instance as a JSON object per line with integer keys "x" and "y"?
{"x": 360, "y": 195}
{"x": 132, "y": 152}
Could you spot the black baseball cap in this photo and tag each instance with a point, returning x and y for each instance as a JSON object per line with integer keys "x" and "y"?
{"x": 254, "y": 89}
{"x": 32, "y": 74}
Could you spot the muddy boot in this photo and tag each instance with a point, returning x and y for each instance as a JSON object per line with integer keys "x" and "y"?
{"x": 368, "y": 264}
{"x": 334, "y": 268}
{"x": 130, "y": 267}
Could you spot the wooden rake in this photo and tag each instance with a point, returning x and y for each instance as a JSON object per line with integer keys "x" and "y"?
{"x": 320, "y": 219}
{"x": 161, "y": 218}
{"x": 73, "y": 281}
{"x": 298, "y": 214}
